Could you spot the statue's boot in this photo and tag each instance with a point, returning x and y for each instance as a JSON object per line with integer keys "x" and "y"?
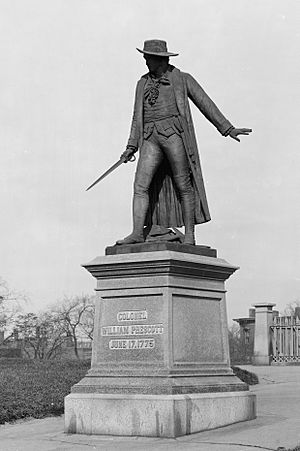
{"x": 188, "y": 207}
{"x": 133, "y": 238}
{"x": 189, "y": 238}
{"x": 140, "y": 207}
{"x": 189, "y": 235}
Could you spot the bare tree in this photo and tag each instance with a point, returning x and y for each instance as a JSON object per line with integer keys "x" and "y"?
{"x": 3, "y": 298}
{"x": 240, "y": 351}
{"x": 77, "y": 315}
{"x": 291, "y": 308}
{"x": 41, "y": 336}
{"x": 10, "y": 304}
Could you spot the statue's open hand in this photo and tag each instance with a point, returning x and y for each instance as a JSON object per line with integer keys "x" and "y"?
{"x": 239, "y": 131}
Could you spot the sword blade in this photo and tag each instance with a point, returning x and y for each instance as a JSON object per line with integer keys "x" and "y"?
{"x": 112, "y": 168}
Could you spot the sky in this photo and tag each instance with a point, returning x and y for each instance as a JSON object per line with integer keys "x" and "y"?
{"x": 67, "y": 80}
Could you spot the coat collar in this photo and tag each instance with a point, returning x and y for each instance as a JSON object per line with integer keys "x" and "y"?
{"x": 176, "y": 79}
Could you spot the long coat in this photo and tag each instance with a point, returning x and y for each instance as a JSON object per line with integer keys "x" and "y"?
{"x": 165, "y": 208}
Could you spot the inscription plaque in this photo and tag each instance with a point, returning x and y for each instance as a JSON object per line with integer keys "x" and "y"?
{"x": 146, "y": 343}
{"x": 132, "y": 329}
{"x": 132, "y": 315}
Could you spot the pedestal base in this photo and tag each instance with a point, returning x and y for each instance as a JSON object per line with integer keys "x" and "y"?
{"x": 160, "y": 364}
{"x": 155, "y": 415}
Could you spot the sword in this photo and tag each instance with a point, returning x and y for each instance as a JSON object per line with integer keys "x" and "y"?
{"x": 112, "y": 168}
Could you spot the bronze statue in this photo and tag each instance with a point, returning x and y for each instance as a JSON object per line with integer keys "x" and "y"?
{"x": 168, "y": 187}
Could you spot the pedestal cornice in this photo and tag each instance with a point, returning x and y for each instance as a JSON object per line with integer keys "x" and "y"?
{"x": 160, "y": 263}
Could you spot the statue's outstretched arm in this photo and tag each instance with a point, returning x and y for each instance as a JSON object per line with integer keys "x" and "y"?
{"x": 210, "y": 110}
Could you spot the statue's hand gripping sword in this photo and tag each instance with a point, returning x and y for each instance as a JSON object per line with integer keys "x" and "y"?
{"x": 122, "y": 160}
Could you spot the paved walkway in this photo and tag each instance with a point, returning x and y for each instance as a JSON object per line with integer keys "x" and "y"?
{"x": 277, "y": 425}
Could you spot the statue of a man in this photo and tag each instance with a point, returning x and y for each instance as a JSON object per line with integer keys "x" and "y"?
{"x": 168, "y": 187}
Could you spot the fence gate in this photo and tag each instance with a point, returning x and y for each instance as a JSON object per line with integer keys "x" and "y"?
{"x": 285, "y": 339}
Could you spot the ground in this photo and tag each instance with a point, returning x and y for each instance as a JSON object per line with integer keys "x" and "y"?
{"x": 277, "y": 425}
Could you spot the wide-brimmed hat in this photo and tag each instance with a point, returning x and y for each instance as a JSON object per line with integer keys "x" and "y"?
{"x": 156, "y": 47}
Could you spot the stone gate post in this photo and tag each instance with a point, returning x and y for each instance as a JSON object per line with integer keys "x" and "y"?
{"x": 262, "y": 335}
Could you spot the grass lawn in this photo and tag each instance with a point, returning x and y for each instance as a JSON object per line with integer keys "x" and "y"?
{"x": 30, "y": 388}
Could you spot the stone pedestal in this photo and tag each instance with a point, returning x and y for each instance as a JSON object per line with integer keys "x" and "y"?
{"x": 160, "y": 364}
{"x": 262, "y": 336}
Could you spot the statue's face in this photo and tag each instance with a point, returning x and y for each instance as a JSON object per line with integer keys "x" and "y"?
{"x": 153, "y": 62}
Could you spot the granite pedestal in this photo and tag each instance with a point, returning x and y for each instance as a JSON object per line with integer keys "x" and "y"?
{"x": 160, "y": 361}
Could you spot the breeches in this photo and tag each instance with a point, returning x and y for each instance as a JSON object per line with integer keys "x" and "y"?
{"x": 152, "y": 152}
